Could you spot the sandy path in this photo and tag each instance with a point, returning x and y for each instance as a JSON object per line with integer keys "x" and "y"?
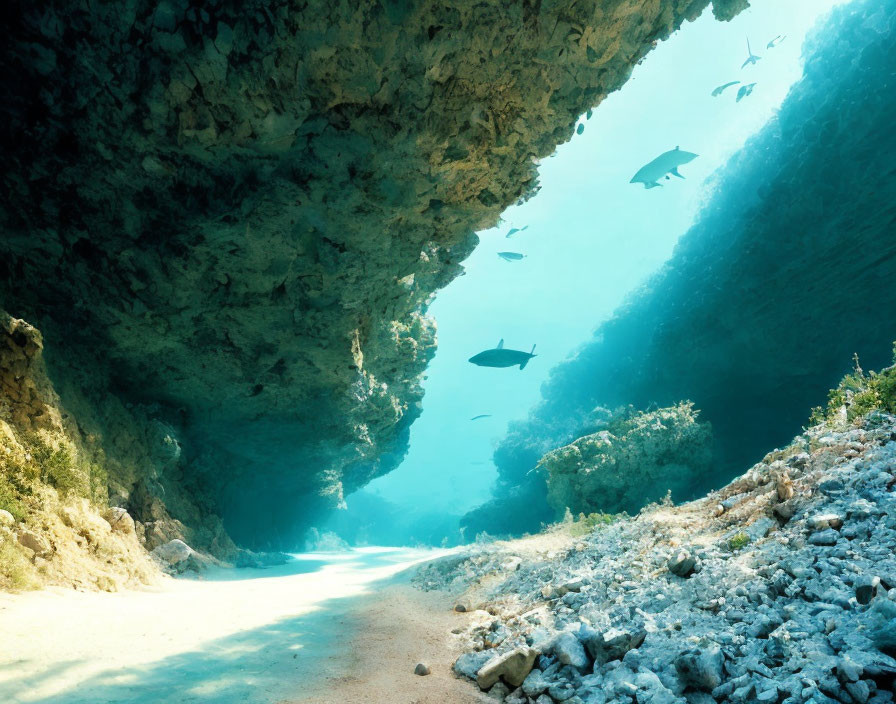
{"x": 320, "y": 624}
{"x": 395, "y": 629}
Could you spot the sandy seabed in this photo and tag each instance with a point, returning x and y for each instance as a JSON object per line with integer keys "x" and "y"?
{"x": 323, "y": 629}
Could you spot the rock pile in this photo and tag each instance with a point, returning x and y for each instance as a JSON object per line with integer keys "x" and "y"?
{"x": 781, "y": 588}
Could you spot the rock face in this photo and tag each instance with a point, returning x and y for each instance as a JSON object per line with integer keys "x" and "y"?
{"x": 784, "y": 275}
{"x": 637, "y": 457}
{"x": 774, "y": 618}
{"x": 248, "y": 207}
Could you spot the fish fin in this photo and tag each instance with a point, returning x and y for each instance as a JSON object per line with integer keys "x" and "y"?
{"x": 500, "y": 345}
{"x": 674, "y": 172}
{"x": 523, "y": 364}
{"x": 532, "y": 353}
{"x": 653, "y": 184}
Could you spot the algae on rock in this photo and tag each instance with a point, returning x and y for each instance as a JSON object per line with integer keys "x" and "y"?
{"x": 638, "y": 457}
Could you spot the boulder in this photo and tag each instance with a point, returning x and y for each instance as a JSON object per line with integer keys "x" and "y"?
{"x": 120, "y": 520}
{"x": 35, "y": 542}
{"x": 613, "y": 643}
{"x": 569, "y": 651}
{"x": 681, "y": 563}
{"x": 173, "y": 553}
{"x": 701, "y": 668}
{"x": 512, "y": 667}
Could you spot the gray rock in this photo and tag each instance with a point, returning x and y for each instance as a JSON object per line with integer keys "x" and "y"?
{"x": 422, "y": 669}
{"x": 173, "y": 553}
{"x": 701, "y": 668}
{"x": 512, "y": 667}
{"x": 469, "y": 664}
{"x": 825, "y": 537}
{"x": 569, "y": 651}
{"x": 535, "y": 683}
{"x": 681, "y": 563}
{"x": 614, "y": 643}
{"x": 866, "y": 588}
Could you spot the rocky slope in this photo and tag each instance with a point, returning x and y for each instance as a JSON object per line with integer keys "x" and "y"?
{"x": 235, "y": 214}
{"x": 780, "y": 587}
{"x": 786, "y": 273}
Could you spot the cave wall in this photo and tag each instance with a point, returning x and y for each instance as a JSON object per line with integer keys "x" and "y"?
{"x": 236, "y": 212}
{"x": 787, "y": 272}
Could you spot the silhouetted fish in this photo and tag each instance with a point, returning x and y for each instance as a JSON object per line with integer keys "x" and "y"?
{"x": 481, "y": 415}
{"x": 514, "y": 230}
{"x": 499, "y": 357}
{"x": 718, "y": 91}
{"x": 589, "y": 114}
{"x": 777, "y": 40}
{"x": 752, "y": 58}
{"x": 511, "y": 256}
{"x": 666, "y": 163}
{"x": 744, "y": 91}
{"x": 580, "y": 128}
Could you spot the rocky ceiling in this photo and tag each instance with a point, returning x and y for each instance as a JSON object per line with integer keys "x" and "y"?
{"x": 238, "y": 211}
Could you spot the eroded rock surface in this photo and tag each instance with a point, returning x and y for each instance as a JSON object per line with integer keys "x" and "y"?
{"x": 241, "y": 211}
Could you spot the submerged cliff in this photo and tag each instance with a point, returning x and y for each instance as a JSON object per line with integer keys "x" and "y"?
{"x": 785, "y": 274}
{"x": 234, "y": 215}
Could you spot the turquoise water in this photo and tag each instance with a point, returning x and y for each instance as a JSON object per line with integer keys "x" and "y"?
{"x": 591, "y": 238}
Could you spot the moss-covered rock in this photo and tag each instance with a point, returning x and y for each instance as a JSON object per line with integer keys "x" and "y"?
{"x": 637, "y": 458}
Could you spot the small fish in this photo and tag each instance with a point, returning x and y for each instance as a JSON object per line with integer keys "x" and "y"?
{"x": 514, "y": 230}
{"x": 589, "y": 114}
{"x": 499, "y": 357}
{"x": 718, "y": 91}
{"x": 777, "y": 40}
{"x": 580, "y": 128}
{"x": 481, "y": 415}
{"x": 666, "y": 163}
{"x": 511, "y": 256}
{"x": 752, "y": 58}
{"x": 744, "y": 91}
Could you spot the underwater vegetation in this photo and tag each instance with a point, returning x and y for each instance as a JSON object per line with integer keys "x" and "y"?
{"x": 636, "y": 458}
{"x": 859, "y": 394}
{"x": 783, "y": 276}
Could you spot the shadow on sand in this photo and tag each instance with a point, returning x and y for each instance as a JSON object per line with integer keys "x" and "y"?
{"x": 280, "y": 661}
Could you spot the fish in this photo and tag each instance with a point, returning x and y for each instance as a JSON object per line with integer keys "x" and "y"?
{"x": 752, "y": 58}
{"x": 499, "y": 357}
{"x": 718, "y": 91}
{"x": 511, "y": 256}
{"x": 580, "y": 128}
{"x": 589, "y": 114}
{"x": 777, "y": 40}
{"x": 514, "y": 230}
{"x": 665, "y": 163}
{"x": 481, "y": 415}
{"x": 744, "y": 91}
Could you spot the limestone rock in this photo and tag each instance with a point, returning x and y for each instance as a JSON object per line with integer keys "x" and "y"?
{"x": 34, "y": 542}
{"x": 6, "y": 518}
{"x": 120, "y": 520}
{"x": 512, "y": 667}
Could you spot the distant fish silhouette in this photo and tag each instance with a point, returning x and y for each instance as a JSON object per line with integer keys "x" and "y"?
{"x": 752, "y": 58}
{"x": 666, "y": 163}
{"x": 514, "y": 230}
{"x": 718, "y": 91}
{"x": 511, "y": 256}
{"x": 744, "y": 91}
{"x": 481, "y": 415}
{"x": 580, "y": 128}
{"x": 777, "y": 40}
{"x": 499, "y": 357}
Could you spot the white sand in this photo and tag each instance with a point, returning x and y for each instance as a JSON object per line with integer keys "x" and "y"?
{"x": 293, "y": 633}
